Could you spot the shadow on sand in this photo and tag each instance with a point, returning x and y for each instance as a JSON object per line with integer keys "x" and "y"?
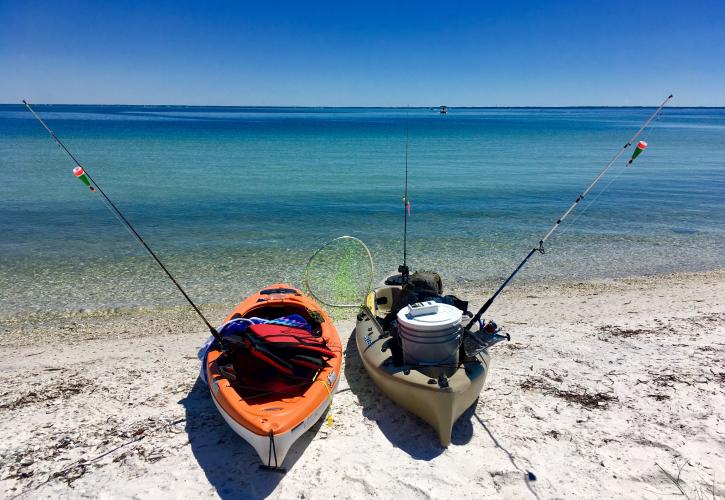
{"x": 403, "y": 429}
{"x": 231, "y": 465}
{"x": 528, "y": 476}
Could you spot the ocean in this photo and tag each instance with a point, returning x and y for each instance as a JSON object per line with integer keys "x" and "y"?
{"x": 234, "y": 198}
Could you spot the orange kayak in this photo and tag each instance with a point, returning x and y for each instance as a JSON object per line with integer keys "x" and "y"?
{"x": 267, "y": 395}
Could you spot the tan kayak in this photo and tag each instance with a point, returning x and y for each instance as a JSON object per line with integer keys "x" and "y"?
{"x": 437, "y": 394}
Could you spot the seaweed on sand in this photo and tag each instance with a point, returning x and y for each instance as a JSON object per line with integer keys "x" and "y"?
{"x": 577, "y": 395}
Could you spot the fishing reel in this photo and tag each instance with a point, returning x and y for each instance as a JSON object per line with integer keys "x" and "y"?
{"x": 404, "y": 273}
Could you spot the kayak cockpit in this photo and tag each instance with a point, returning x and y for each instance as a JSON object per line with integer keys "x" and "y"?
{"x": 273, "y": 351}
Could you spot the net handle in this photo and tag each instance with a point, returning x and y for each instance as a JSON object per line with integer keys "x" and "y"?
{"x": 317, "y": 252}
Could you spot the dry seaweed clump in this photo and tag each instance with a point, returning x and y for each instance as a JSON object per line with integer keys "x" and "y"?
{"x": 62, "y": 389}
{"x": 616, "y": 331}
{"x": 576, "y": 395}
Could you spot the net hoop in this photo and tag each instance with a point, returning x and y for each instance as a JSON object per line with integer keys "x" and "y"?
{"x": 369, "y": 284}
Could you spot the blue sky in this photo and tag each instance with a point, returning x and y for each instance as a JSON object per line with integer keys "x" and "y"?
{"x": 391, "y": 53}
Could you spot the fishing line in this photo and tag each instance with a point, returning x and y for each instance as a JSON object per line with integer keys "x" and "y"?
{"x": 540, "y": 247}
{"x": 601, "y": 174}
{"x": 648, "y": 134}
{"x": 89, "y": 181}
{"x": 588, "y": 205}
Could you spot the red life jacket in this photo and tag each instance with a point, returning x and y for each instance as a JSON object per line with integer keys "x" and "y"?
{"x": 284, "y": 347}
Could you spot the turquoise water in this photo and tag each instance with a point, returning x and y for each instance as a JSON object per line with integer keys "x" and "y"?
{"x": 235, "y": 198}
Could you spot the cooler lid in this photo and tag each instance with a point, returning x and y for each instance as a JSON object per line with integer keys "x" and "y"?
{"x": 447, "y": 316}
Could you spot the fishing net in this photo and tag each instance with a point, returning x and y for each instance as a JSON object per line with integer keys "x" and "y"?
{"x": 340, "y": 273}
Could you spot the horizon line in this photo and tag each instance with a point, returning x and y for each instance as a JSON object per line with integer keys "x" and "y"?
{"x": 361, "y": 107}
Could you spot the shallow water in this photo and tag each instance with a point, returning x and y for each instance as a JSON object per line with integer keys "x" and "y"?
{"x": 235, "y": 198}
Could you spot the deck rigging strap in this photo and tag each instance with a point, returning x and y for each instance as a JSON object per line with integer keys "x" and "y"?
{"x": 116, "y": 212}
{"x": 540, "y": 247}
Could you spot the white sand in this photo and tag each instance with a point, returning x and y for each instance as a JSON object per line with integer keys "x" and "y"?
{"x": 608, "y": 389}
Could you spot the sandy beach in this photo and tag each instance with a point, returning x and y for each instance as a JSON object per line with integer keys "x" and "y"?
{"x": 161, "y": 163}
{"x": 611, "y": 388}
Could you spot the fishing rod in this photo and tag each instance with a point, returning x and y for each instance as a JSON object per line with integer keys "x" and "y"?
{"x": 540, "y": 248}
{"x": 89, "y": 182}
{"x": 403, "y": 270}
